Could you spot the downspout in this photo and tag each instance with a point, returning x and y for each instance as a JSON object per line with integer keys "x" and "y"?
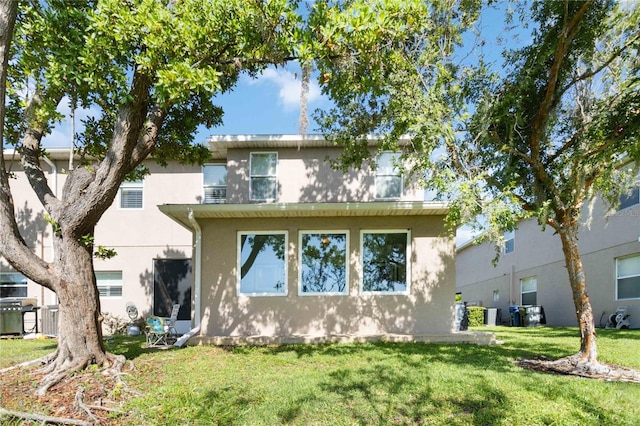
{"x": 54, "y": 191}
{"x": 197, "y": 265}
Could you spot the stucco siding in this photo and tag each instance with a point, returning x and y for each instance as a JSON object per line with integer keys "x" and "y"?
{"x": 427, "y": 308}
{"x": 603, "y": 238}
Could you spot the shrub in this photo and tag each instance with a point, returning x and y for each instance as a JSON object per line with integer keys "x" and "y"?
{"x": 476, "y": 316}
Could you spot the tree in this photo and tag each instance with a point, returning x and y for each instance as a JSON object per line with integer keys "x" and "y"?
{"x": 540, "y": 140}
{"x": 149, "y": 70}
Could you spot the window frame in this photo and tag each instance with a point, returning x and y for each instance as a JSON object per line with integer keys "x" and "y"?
{"x": 112, "y": 284}
{"x": 205, "y": 186}
{"x": 407, "y": 290}
{"x": 347, "y": 243}
{"x": 618, "y": 277}
{"x": 130, "y": 186}
{"x": 522, "y": 281}
{"x": 285, "y": 261}
{"x": 395, "y": 173}
{"x": 23, "y": 284}
{"x": 252, "y": 176}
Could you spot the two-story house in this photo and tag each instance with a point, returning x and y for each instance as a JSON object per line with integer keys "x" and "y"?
{"x": 531, "y": 268}
{"x": 297, "y": 248}
{"x": 268, "y": 241}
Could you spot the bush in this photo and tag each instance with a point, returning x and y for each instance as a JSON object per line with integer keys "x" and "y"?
{"x": 114, "y": 324}
{"x": 476, "y": 316}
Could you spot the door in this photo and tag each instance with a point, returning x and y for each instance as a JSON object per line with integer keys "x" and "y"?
{"x": 171, "y": 285}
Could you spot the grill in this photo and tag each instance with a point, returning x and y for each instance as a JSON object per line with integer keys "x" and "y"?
{"x": 12, "y": 315}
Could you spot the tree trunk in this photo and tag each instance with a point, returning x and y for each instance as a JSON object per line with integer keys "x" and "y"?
{"x": 79, "y": 321}
{"x": 588, "y": 354}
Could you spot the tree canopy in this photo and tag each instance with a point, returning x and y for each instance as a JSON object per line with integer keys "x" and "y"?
{"x": 538, "y": 135}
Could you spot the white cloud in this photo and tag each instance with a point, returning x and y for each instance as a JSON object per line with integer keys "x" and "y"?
{"x": 289, "y": 85}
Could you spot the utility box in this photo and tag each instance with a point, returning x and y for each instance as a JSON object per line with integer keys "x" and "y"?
{"x": 50, "y": 320}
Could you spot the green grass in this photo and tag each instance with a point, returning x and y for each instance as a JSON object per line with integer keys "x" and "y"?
{"x": 376, "y": 384}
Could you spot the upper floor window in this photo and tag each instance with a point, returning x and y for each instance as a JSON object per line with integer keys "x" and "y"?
{"x": 264, "y": 179}
{"x": 214, "y": 184}
{"x": 130, "y": 195}
{"x": 109, "y": 283}
{"x": 323, "y": 262}
{"x": 628, "y": 277}
{"x": 13, "y": 284}
{"x": 388, "y": 179}
{"x": 630, "y": 198}
{"x": 509, "y": 241}
{"x": 385, "y": 261}
{"x": 529, "y": 291}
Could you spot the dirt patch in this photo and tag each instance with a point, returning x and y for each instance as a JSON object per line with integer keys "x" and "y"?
{"x": 70, "y": 399}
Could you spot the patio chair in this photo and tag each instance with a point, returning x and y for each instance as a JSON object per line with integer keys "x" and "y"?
{"x": 161, "y": 331}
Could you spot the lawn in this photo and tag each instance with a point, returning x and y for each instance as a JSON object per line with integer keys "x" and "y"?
{"x": 365, "y": 384}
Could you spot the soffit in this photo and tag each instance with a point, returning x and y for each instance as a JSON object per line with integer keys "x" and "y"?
{"x": 220, "y": 144}
{"x": 180, "y": 212}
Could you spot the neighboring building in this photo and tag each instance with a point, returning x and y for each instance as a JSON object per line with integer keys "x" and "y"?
{"x": 153, "y": 252}
{"x": 531, "y": 269}
{"x": 268, "y": 240}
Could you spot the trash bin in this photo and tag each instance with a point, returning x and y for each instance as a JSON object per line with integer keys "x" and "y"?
{"x": 514, "y": 311}
{"x": 462, "y": 317}
{"x": 532, "y": 316}
{"x": 11, "y": 317}
{"x": 491, "y": 316}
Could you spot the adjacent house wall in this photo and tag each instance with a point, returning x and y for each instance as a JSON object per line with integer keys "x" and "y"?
{"x": 539, "y": 253}
{"x": 137, "y": 235}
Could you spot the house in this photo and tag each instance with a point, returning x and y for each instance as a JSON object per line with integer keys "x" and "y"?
{"x": 153, "y": 261}
{"x": 531, "y": 269}
{"x": 267, "y": 242}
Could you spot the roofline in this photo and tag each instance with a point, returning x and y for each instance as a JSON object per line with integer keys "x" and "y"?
{"x": 180, "y": 212}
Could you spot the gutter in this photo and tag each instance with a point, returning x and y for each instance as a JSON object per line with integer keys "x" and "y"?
{"x": 197, "y": 283}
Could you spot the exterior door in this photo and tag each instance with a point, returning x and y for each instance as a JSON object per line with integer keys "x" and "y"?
{"x": 171, "y": 285}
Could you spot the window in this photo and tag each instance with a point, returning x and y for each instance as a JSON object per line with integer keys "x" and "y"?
{"x": 388, "y": 179}
{"x": 214, "y": 184}
{"x": 109, "y": 283}
{"x": 131, "y": 195}
{"x": 323, "y": 263}
{"x": 13, "y": 284}
{"x": 262, "y": 263}
{"x": 628, "y": 277}
{"x": 630, "y": 198}
{"x": 264, "y": 181}
{"x": 496, "y": 295}
{"x": 509, "y": 242}
{"x": 385, "y": 261}
{"x": 529, "y": 291}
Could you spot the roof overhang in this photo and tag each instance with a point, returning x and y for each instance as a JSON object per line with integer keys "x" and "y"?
{"x": 220, "y": 144}
{"x": 180, "y": 212}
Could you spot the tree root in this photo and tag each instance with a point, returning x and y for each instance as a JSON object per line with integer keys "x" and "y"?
{"x": 79, "y": 402}
{"x": 41, "y": 418}
{"x": 39, "y": 361}
{"x": 574, "y": 366}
